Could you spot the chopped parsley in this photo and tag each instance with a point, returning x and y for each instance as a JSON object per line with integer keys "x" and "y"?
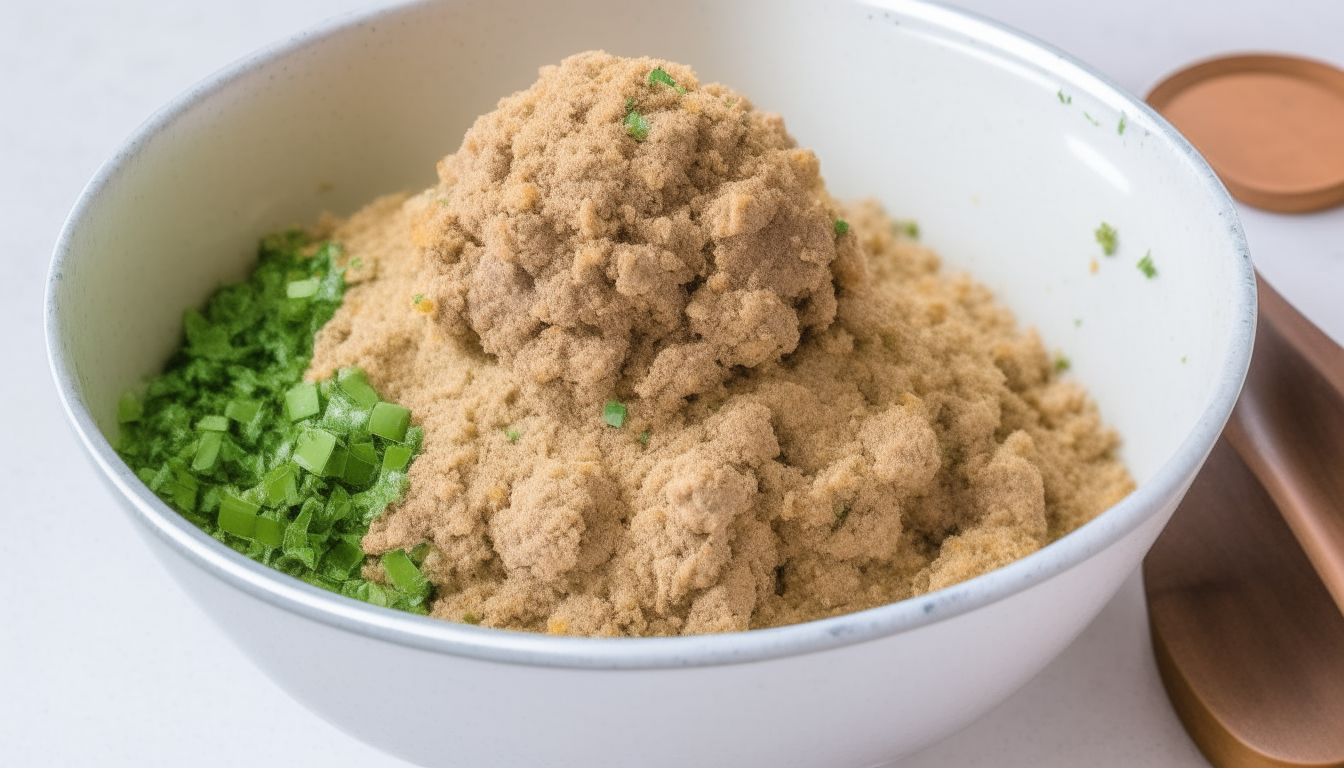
{"x": 1064, "y": 99}
{"x": 636, "y": 126}
{"x": 909, "y": 228}
{"x": 841, "y": 227}
{"x": 417, "y": 298}
{"x": 1146, "y": 265}
{"x": 512, "y": 434}
{"x": 389, "y": 421}
{"x": 1091, "y": 119}
{"x": 1120, "y": 127}
{"x": 286, "y": 472}
{"x": 1106, "y": 237}
{"x": 129, "y": 408}
{"x": 660, "y": 76}
{"x": 614, "y": 413}
{"x": 301, "y": 289}
{"x": 644, "y": 437}
{"x": 1062, "y": 362}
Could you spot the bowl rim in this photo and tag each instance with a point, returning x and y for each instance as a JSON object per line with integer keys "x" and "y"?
{"x": 532, "y": 649}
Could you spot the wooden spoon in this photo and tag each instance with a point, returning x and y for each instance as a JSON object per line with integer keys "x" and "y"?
{"x": 1248, "y": 639}
{"x": 1289, "y": 428}
{"x": 1249, "y": 644}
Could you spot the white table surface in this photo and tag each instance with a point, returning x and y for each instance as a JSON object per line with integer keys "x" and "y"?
{"x": 103, "y": 661}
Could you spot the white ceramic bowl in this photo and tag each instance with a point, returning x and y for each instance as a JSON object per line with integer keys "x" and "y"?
{"x": 1007, "y": 152}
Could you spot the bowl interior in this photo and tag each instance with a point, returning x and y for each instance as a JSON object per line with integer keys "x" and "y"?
{"x": 1007, "y": 155}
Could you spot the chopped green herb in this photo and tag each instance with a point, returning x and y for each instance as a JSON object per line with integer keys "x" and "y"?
{"x": 242, "y": 411}
{"x": 396, "y": 457}
{"x": 129, "y": 408}
{"x": 636, "y": 126}
{"x": 417, "y": 298}
{"x": 280, "y": 486}
{"x": 629, "y": 104}
{"x": 1146, "y": 265}
{"x": 644, "y": 437}
{"x": 207, "y": 452}
{"x": 184, "y": 491}
{"x": 361, "y": 464}
{"x": 1064, "y": 99}
{"x": 471, "y": 618}
{"x": 297, "y": 543}
{"x": 614, "y": 414}
{"x": 731, "y": 102}
{"x": 356, "y": 263}
{"x": 1062, "y": 362}
{"x": 206, "y": 339}
{"x": 1077, "y": 322}
{"x": 268, "y": 532}
{"x": 303, "y": 289}
{"x": 512, "y": 434}
{"x": 660, "y": 76}
{"x": 354, "y": 383}
{"x": 213, "y": 424}
{"x": 342, "y": 559}
{"x": 402, "y": 572}
{"x": 237, "y": 516}
{"x": 1182, "y": 358}
{"x": 301, "y": 401}
{"x": 389, "y": 421}
{"x": 909, "y": 228}
{"x": 335, "y": 467}
{"x": 1091, "y": 119}
{"x": 227, "y": 428}
{"x": 1106, "y": 236}
{"x": 315, "y": 450}
{"x": 1120, "y": 127}
{"x": 841, "y": 227}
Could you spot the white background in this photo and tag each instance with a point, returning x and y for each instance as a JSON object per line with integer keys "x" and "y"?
{"x": 103, "y": 661}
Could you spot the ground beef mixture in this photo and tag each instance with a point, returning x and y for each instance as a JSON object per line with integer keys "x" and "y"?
{"x": 817, "y": 421}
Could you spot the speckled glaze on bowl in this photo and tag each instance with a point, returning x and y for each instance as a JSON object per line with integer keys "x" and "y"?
{"x": 1007, "y": 152}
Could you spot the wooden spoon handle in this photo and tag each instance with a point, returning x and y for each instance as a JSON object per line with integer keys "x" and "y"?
{"x": 1288, "y": 427}
{"x": 1307, "y": 340}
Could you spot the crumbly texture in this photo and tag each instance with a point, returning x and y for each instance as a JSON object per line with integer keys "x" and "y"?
{"x": 819, "y": 421}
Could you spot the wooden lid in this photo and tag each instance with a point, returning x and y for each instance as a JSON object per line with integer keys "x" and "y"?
{"x": 1272, "y": 127}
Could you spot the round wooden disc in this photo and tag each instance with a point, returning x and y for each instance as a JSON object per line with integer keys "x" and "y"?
{"x": 1272, "y": 127}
